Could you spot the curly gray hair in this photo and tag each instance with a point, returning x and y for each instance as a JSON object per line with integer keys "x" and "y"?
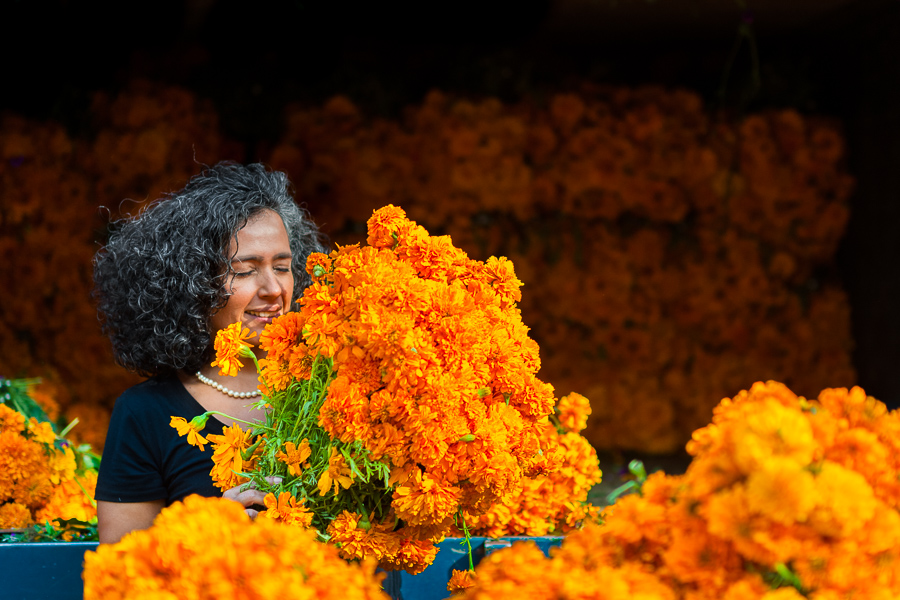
{"x": 164, "y": 273}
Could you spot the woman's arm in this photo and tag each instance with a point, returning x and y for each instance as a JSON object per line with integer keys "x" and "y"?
{"x": 115, "y": 519}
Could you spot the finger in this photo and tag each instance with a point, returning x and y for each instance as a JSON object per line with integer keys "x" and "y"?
{"x": 252, "y": 513}
{"x": 273, "y": 479}
{"x": 251, "y": 497}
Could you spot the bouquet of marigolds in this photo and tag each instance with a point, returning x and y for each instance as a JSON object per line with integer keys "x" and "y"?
{"x": 209, "y": 548}
{"x": 46, "y": 483}
{"x": 786, "y": 498}
{"x": 402, "y": 398}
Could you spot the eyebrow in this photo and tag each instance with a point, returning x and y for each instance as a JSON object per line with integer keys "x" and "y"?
{"x": 255, "y": 258}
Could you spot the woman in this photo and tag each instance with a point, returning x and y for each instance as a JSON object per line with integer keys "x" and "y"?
{"x": 231, "y": 246}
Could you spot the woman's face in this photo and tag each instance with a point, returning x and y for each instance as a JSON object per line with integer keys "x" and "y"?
{"x": 262, "y": 282}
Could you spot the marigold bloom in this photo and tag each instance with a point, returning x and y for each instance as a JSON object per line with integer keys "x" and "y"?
{"x": 338, "y": 474}
{"x": 284, "y": 508}
{"x": 189, "y": 429}
{"x": 228, "y": 460}
{"x": 231, "y": 344}
{"x": 460, "y": 580}
{"x": 573, "y": 411}
{"x": 425, "y": 498}
{"x": 295, "y": 457}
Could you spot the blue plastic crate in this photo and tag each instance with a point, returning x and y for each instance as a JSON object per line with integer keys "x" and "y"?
{"x": 431, "y": 584}
{"x": 45, "y": 570}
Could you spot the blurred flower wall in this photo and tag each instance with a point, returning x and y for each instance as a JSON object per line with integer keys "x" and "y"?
{"x": 671, "y": 257}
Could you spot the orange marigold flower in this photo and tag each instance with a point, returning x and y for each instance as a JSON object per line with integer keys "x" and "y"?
{"x": 781, "y": 490}
{"x": 295, "y": 457}
{"x": 228, "y": 460}
{"x": 573, "y": 411}
{"x": 11, "y": 420}
{"x": 318, "y": 265}
{"x": 460, "y": 580}
{"x": 41, "y": 431}
{"x": 231, "y": 344}
{"x": 191, "y": 429}
{"x": 275, "y": 373}
{"x": 14, "y": 515}
{"x": 358, "y": 539}
{"x": 414, "y": 556}
{"x": 424, "y": 499}
{"x": 285, "y": 509}
{"x": 279, "y": 337}
{"x": 385, "y": 226}
{"x": 338, "y": 474}
{"x": 301, "y": 362}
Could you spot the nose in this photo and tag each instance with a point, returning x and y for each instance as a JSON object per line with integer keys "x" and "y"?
{"x": 270, "y": 285}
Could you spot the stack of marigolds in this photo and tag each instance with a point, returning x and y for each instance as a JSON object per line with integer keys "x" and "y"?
{"x": 786, "y": 498}
{"x": 209, "y": 548}
{"x": 671, "y": 254}
{"x": 46, "y": 484}
{"x": 404, "y": 405}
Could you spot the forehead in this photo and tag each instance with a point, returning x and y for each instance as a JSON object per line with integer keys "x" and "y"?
{"x": 264, "y": 234}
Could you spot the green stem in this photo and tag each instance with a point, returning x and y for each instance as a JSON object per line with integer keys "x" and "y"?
{"x": 68, "y": 428}
{"x": 465, "y": 529}
{"x": 253, "y": 424}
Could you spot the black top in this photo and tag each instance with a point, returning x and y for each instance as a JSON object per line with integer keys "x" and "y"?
{"x": 144, "y": 459}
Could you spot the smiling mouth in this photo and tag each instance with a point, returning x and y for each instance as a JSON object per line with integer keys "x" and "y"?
{"x": 263, "y": 315}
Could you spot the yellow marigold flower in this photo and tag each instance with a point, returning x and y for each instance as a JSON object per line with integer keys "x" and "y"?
{"x": 285, "y": 509}
{"x": 191, "y": 430}
{"x": 295, "y": 457}
{"x": 338, "y": 474}
{"x": 230, "y": 345}
{"x": 62, "y": 464}
{"x": 41, "y": 431}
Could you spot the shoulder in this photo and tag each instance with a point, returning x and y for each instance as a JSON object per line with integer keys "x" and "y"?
{"x": 157, "y": 394}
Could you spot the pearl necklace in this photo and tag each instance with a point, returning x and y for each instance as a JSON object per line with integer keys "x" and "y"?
{"x": 225, "y": 390}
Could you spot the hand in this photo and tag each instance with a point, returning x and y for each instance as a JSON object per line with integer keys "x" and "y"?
{"x": 249, "y": 497}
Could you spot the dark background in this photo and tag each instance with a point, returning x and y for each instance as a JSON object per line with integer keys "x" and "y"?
{"x": 838, "y": 58}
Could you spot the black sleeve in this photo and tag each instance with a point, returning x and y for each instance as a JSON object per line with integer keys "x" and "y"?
{"x": 130, "y": 468}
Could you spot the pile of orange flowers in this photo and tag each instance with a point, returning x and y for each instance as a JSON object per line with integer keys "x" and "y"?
{"x": 671, "y": 255}
{"x": 42, "y": 479}
{"x": 209, "y": 548}
{"x": 786, "y": 498}
{"x": 404, "y": 403}
{"x": 59, "y": 194}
